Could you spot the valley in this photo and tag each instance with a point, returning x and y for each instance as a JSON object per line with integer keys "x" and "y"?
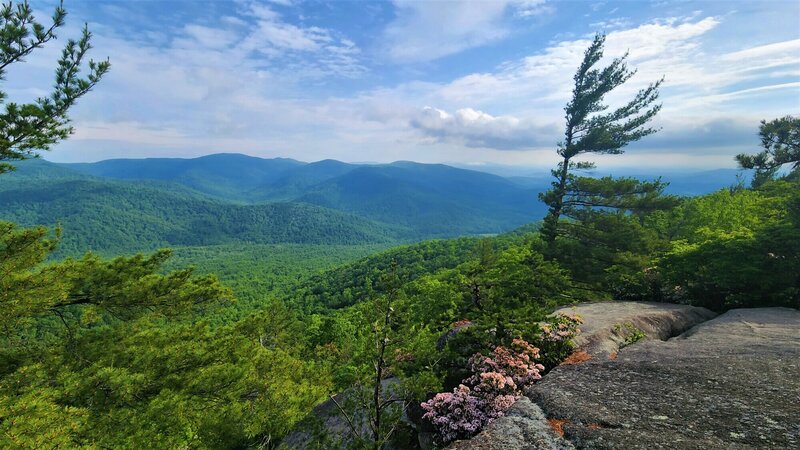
{"x": 217, "y": 231}
{"x": 131, "y": 205}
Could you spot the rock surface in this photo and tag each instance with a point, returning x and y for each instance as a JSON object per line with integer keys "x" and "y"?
{"x": 729, "y": 383}
{"x": 605, "y": 329}
{"x": 658, "y": 376}
{"x": 524, "y": 427}
{"x": 609, "y": 326}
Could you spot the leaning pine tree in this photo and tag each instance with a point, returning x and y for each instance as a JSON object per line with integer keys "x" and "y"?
{"x": 591, "y": 128}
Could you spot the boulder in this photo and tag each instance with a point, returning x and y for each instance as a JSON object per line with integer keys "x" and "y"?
{"x": 455, "y": 328}
{"x": 606, "y": 328}
{"x": 524, "y": 427}
{"x": 327, "y": 428}
{"x": 729, "y": 383}
{"x": 609, "y": 326}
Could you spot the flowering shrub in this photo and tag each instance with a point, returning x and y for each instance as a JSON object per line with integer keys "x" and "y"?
{"x": 516, "y": 363}
{"x": 496, "y": 383}
{"x": 557, "y": 334}
{"x": 561, "y": 327}
{"x": 457, "y": 414}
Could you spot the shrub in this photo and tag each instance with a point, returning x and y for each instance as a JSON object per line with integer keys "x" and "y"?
{"x": 517, "y": 364}
{"x": 458, "y": 414}
{"x": 496, "y": 382}
{"x": 557, "y": 338}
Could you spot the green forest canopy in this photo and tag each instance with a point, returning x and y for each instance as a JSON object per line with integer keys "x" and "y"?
{"x": 129, "y": 353}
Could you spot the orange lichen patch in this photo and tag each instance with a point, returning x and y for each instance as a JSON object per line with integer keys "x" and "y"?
{"x": 576, "y": 358}
{"x": 612, "y": 355}
{"x": 558, "y": 425}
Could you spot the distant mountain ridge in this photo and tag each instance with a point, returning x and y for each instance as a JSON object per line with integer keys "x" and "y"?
{"x": 111, "y": 216}
{"x": 139, "y": 204}
{"x": 223, "y": 175}
{"x": 430, "y": 200}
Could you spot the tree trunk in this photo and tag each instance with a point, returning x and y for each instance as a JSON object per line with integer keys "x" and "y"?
{"x": 550, "y": 227}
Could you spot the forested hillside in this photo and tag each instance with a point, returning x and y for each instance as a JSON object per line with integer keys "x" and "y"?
{"x": 297, "y": 290}
{"x": 230, "y": 198}
{"x": 328, "y": 202}
{"x": 429, "y": 200}
{"x": 227, "y": 176}
{"x": 112, "y": 217}
{"x": 257, "y": 273}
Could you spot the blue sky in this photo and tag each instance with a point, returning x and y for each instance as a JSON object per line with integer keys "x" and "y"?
{"x": 437, "y": 81}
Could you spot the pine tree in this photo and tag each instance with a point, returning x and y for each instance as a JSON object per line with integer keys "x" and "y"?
{"x": 781, "y": 141}
{"x": 590, "y": 129}
{"x": 30, "y": 127}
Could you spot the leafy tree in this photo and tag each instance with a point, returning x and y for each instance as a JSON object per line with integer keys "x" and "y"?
{"x": 781, "y": 141}
{"x": 113, "y": 353}
{"x": 123, "y": 288}
{"x": 589, "y": 129}
{"x": 373, "y": 417}
{"x": 99, "y": 353}
{"x": 523, "y": 285}
{"x": 736, "y": 249}
{"x": 26, "y": 128}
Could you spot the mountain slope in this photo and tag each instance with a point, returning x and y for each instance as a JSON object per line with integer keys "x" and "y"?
{"x": 224, "y": 175}
{"x": 115, "y": 216}
{"x": 430, "y": 200}
{"x": 435, "y": 200}
{"x": 296, "y": 180}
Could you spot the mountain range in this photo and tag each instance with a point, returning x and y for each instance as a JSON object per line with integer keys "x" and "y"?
{"x": 139, "y": 204}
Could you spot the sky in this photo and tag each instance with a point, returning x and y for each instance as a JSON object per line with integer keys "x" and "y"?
{"x": 473, "y": 83}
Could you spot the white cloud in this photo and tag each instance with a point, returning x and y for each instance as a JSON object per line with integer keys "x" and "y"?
{"x": 778, "y": 49}
{"x": 307, "y": 52}
{"x": 479, "y": 129}
{"x": 131, "y": 132}
{"x": 523, "y": 100}
{"x": 231, "y": 87}
{"x": 611, "y": 24}
{"x": 530, "y": 8}
{"x": 213, "y": 38}
{"x": 428, "y": 30}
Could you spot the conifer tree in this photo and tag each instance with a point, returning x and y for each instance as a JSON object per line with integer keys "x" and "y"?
{"x": 29, "y": 127}
{"x": 781, "y": 141}
{"x": 591, "y": 129}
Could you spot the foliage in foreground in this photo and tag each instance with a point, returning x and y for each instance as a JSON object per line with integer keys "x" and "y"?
{"x": 95, "y": 354}
{"x": 592, "y": 129}
{"x": 780, "y": 139}
{"x": 121, "y": 353}
{"x": 497, "y": 381}
{"x": 736, "y": 249}
{"x": 29, "y": 127}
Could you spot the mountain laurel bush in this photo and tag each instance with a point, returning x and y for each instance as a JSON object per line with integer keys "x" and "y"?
{"x": 497, "y": 381}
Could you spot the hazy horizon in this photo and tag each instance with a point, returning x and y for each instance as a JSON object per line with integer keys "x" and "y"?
{"x": 509, "y": 171}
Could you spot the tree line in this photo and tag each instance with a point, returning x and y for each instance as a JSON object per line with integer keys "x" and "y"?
{"x": 122, "y": 353}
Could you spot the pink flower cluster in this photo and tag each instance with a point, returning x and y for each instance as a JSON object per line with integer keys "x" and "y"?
{"x": 517, "y": 363}
{"x": 457, "y": 414}
{"x": 496, "y": 383}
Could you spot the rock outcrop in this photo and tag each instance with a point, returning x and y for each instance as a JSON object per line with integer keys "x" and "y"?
{"x": 650, "y": 375}
{"x": 728, "y": 383}
{"x": 609, "y": 326}
{"x": 523, "y": 427}
{"x": 326, "y": 426}
{"x": 665, "y": 376}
